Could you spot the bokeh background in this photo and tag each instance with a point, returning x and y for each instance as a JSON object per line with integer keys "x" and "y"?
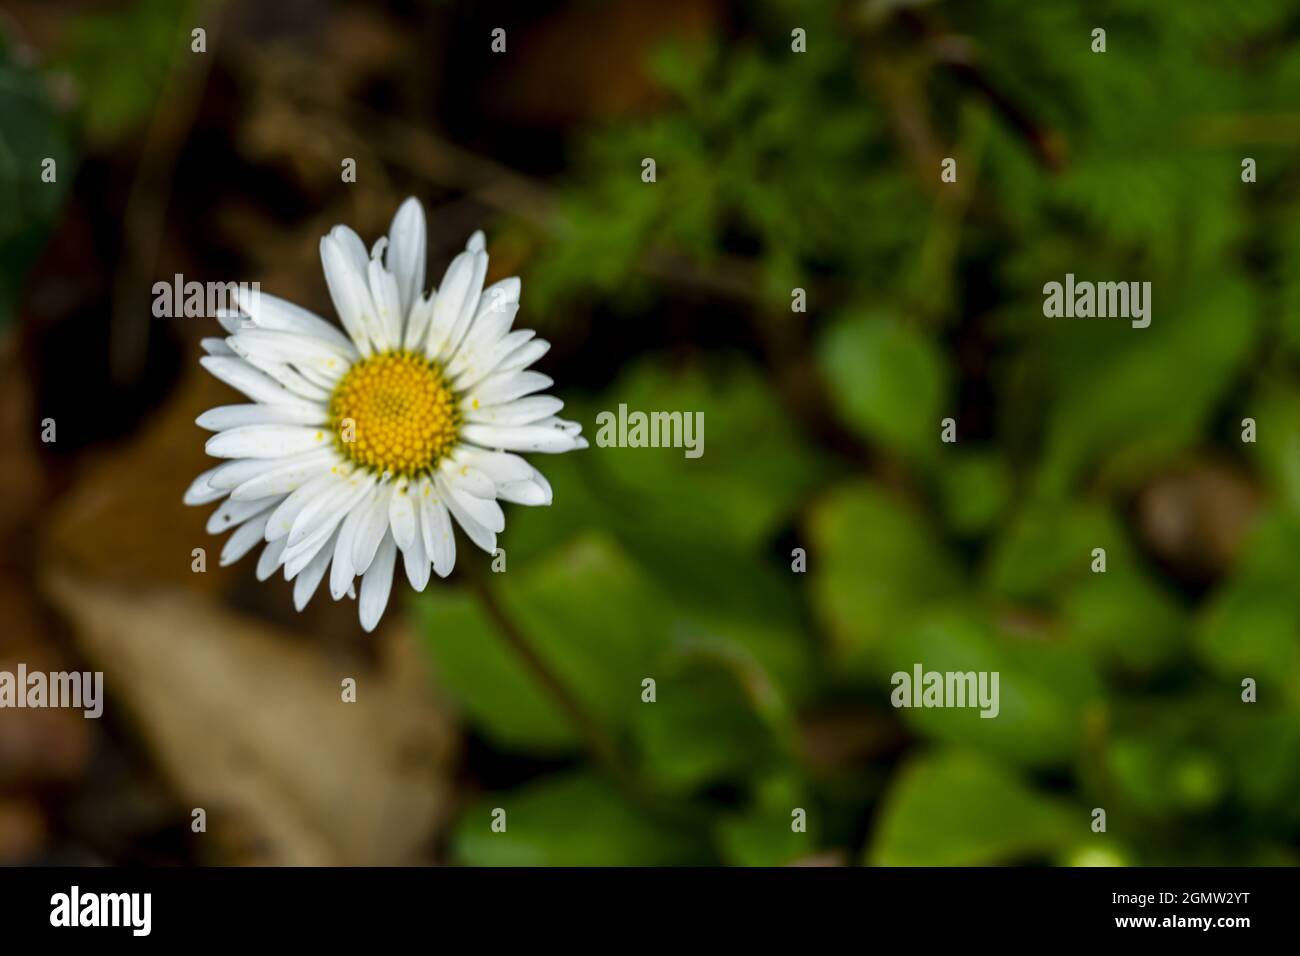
{"x": 775, "y": 170}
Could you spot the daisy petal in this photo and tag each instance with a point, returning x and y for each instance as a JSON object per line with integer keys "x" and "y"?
{"x": 200, "y": 492}
{"x": 233, "y": 416}
{"x": 502, "y": 387}
{"x": 344, "y": 275}
{"x": 232, "y": 513}
{"x": 238, "y": 374}
{"x": 232, "y": 320}
{"x": 371, "y": 530}
{"x": 329, "y": 508}
{"x": 215, "y": 346}
{"x": 286, "y": 513}
{"x": 417, "y": 325}
{"x": 482, "y": 536}
{"x": 407, "y": 238}
{"x": 298, "y": 556}
{"x": 308, "y": 578}
{"x": 388, "y": 306}
{"x": 265, "y": 441}
{"x": 523, "y": 355}
{"x": 488, "y": 331}
{"x": 269, "y": 560}
{"x": 468, "y": 308}
{"x": 234, "y": 473}
{"x": 539, "y": 437}
{"x": 500, "y": 295}
{"x": 245, "y": 537}
{"x": 414, "y": 557}
{"x": 377, "y": 585}
{"x": 484, "y": 363}
{"x": 323, "y": 361}
{"x": 485, "y": 511}
{"x": 271, "y": 312}
{"x": 524, "y": 411}
{"x": 528, "y": 492}
{"x": 341, "y": 571}
{"x": 401, "y": 517}
{"x": 285, "y": 375}
{"x": 500, "y": 466}
{"x": 467, "y": 479}
{"x": 447, "y": 305}
{"x": 289, "y": 477}
{"x": 435, "y": 525}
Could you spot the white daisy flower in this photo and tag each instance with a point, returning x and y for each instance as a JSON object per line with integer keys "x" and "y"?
{"x": 361, "y": 445}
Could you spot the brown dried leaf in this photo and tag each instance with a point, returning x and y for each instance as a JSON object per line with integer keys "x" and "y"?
{"x": 1196, "y": 518}
{"x": 248, "y": 722}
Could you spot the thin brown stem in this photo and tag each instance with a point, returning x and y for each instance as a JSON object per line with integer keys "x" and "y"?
{"x": 600, "y": 744}
{"x": 144, "y": 217}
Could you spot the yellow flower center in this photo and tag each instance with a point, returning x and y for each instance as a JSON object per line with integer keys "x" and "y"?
{"x": 393, "y": 412}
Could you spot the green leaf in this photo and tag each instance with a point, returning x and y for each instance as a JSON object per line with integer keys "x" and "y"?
{"x": 959, "y": 809}
{"x": 119, "y": 89}
{"x": 753, "y": 466}
{"x": 1047, "y": 547}
{"x": 1248, "y": 628}
{"x": 1132, "y": 398}
{"x": 1045, "y": 558}
{"x": 1160, "y": 776}
{"x": 873, "y": 563}
{"x": 1259, "y": 747}
{"x": 764, "y": 833}
{"x": 1120, "y": 616}
{"x": 1046, "y": 694}
{"x": 603, "y": 625}
{"x": 888, "y": 381}
{"x": 977, "y": 489}
{"x": 586, "y": 610}
{"x": 725, "y": 588}
{"x": 1275, "y": 406}
{"x": 573, "y": 820}
{"x": 717, "y": 716}
{"x": 500, "y": 695}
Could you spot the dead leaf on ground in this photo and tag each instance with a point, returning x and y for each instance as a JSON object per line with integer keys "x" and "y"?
{"x": 248, "y": 722}
{"x": 40, "y": 745}
{"x": 1196, "y": 518}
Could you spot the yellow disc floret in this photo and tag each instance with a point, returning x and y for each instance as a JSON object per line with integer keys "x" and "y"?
{"x": 392, "y": 412}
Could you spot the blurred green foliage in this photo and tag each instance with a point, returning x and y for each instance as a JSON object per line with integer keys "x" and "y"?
{"x": 33, "y": 132}
{"x": 117, "y": 93}
{"x": 820, "y": 170}
{"x": 1119, "y": 690}
{"x": 111, "y": 70}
